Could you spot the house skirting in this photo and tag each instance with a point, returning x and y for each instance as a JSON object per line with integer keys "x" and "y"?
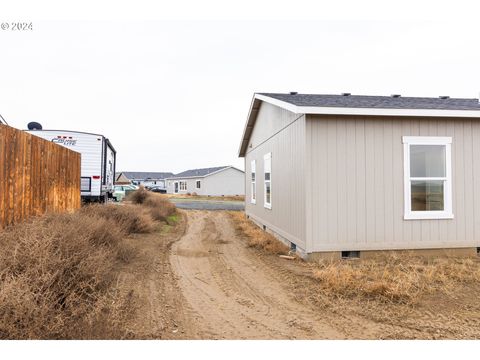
{"x": 372, "y": 254}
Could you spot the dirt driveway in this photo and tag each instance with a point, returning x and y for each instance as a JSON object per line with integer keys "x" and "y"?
{"x": 201, "y": 281}
{"x": 232, "y": 294}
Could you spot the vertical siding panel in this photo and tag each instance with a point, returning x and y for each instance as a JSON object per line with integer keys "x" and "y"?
{"x": 351, "y": 181}
{"x": 469, "y": 187}
{"x": 343, "y": 202}
{"x": 388, "y": 174}
{"x": 407, "y": 225}
{"x": 379, "y": 194}
{"x": 460, "y": 178}
{"x": 332, "y": 203}
{"x": 320, "y": 140}
{"x": 360, "y": 182}
{"x": 476, "y": 178}
{"x": 451, "y": 225}
{"x": 370, "y": 180}
{"x": 397, "y": 174}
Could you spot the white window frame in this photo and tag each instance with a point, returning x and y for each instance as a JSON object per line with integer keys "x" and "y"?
{"x": 253, "y": 188}
{"x": 198, "y": 184}
{"x": 447, "y": 212}
{"x": 267, "y": 157}
{"x": 180, "y": 183}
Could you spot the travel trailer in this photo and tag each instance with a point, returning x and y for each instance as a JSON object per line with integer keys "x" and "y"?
{"x": 98, "y": 159}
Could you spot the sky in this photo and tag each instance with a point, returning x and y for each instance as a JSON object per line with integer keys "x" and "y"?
{"x": 174, "y": 95}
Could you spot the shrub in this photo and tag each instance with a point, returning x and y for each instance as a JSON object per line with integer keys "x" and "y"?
{"x": 138, "y": 196}
{"x": 160, "y": 208}
{"x": 131, "y": 219}
{"x": 55, "y": 276}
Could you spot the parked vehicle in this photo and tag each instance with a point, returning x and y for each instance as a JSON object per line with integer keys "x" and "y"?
{"x": 158, "y": 189}
{"x": 98, "y": 160}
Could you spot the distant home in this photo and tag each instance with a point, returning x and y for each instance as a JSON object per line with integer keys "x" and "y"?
{"x": 216, "y": 181}
{"x": 346, "y": 176}
{"x": 143, "y": 178}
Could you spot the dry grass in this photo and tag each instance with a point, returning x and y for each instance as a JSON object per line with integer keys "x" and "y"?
{"x": 130, "y": 219}
{"x": 159, "y": 206}
{"x": 56, "y": 274}
{"x": 256, "y": 237}
{"x": 195, "y": 196}
{"x": 398, "y": 279}
{"x": 138, "y": 196}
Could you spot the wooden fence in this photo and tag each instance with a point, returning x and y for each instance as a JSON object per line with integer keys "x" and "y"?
{"x": 36, "y": 176}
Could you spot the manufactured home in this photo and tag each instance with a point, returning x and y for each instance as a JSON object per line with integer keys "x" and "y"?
{"x": 97, "y": 160}
{"x": 216, "y": 181}
{"x": 346, "y": 176}
{"x": 144, "y": 178}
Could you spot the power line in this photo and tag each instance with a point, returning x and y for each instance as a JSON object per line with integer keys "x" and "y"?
{"x": 5, "y": 121}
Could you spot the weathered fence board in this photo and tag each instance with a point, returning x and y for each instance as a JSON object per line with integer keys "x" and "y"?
{"x": 36, "y": 176}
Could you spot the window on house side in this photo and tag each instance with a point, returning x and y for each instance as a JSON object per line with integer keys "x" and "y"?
{"x": 267, "y": 169}
{"x": 427, "y": 177}
{"x": 198, "y": 184}
{"x": 183, "y": 185}
{"x": 253, "y": 193}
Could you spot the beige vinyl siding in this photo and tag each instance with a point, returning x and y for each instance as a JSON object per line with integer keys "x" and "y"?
{"x": 354, "y": 185}
{"x": 270, "y": 120}
{"x": 282, "y": 134}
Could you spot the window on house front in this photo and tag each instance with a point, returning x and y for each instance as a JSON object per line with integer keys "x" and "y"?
{"x": 427, "y": 177}
{"x": 198, "y": 184}
{"x": 183, "y": 185}
{"x": 253, "y": 193}
{"x": 267, "y": 169}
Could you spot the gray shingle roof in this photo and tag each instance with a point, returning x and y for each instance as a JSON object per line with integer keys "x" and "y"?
{"x": 146, "y": 175}
{"x": 199, "y": 172}
{"x": 381, "y": 102}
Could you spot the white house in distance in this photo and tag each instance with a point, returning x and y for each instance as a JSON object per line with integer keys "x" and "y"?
{"x": 347, "y": 176}
{"x": 216, "y": 181}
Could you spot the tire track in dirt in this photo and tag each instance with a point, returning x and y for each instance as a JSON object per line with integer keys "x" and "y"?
{"x": 231, "y": 293}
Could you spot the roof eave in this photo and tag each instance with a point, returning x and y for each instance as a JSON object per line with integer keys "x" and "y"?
{"x": 317, "y": 110}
